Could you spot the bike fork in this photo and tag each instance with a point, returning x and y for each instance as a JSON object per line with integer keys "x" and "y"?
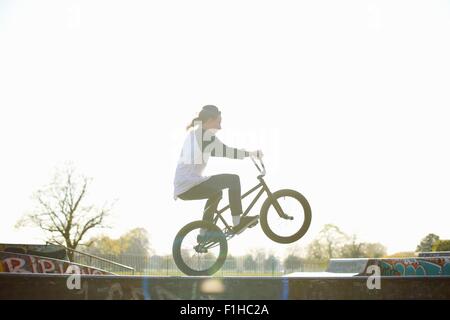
{"x": 276, "y": 205}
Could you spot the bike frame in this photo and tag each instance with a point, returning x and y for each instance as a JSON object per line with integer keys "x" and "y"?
{"x": 263, "y": 188}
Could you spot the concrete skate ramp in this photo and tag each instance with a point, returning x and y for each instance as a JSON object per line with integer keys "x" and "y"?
{"x": 41, "y": 250}
{"x": 355, "y": 266}
{"x": 435, "y": 254}
{"x": 55, "y": 286}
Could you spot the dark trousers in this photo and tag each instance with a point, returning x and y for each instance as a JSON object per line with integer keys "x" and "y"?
{"x": 211, "y": 189}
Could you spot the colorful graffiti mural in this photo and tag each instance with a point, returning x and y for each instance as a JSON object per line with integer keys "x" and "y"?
{"x": 420, "y": 266}
{"x": 25, "y": 263}
{"x": 432, "y": 266}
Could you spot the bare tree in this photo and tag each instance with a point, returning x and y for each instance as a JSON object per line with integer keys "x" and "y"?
{"x": 61, "y": 210}
{"x": 353, "y": 249}
{"x": 333, "y": 239}
{"x": 328, "y": 243}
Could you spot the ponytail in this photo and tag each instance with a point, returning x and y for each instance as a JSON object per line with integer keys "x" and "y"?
{"x": 192, "y": 124}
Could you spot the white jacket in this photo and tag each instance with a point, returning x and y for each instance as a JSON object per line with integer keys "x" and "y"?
{"x": 198, "y": 146}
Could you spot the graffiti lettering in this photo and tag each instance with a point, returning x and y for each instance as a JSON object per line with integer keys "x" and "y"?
{"x": 23, "y": 263}
{"x": 15, "y": 265}
{"x": 439, "y": 266}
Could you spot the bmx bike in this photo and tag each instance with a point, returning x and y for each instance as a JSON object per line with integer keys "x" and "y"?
{"x": 285, "y": 217}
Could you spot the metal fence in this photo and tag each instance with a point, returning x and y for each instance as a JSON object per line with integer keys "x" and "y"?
{"x": 102, "y": 262}
{"x": 91, "y": 260}
{"x": 165, "y": 265}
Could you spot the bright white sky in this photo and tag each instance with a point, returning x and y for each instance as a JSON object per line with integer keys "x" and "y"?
{"x": 349, "y": 100}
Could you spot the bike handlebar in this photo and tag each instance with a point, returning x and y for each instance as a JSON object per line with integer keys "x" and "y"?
{"x": 263, "y": 171}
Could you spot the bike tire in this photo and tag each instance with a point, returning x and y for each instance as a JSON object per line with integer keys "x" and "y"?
{"x": 176, "y": 249}
{"x": 306, "y": 222}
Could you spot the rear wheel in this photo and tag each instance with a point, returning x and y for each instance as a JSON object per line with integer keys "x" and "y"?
{"x": 200, "y": 256}
{"x": 286, "y": 229}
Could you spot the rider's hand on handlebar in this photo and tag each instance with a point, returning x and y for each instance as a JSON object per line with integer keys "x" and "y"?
{"x": 257, "y": 154}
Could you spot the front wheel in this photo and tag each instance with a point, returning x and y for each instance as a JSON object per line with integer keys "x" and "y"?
{"x": 200, "y": 255}
{"x": 295, "y": 223}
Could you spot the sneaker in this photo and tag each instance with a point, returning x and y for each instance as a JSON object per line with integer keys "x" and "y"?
{"x": 209, "y": 236}
{"x": 246, "y": 222}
